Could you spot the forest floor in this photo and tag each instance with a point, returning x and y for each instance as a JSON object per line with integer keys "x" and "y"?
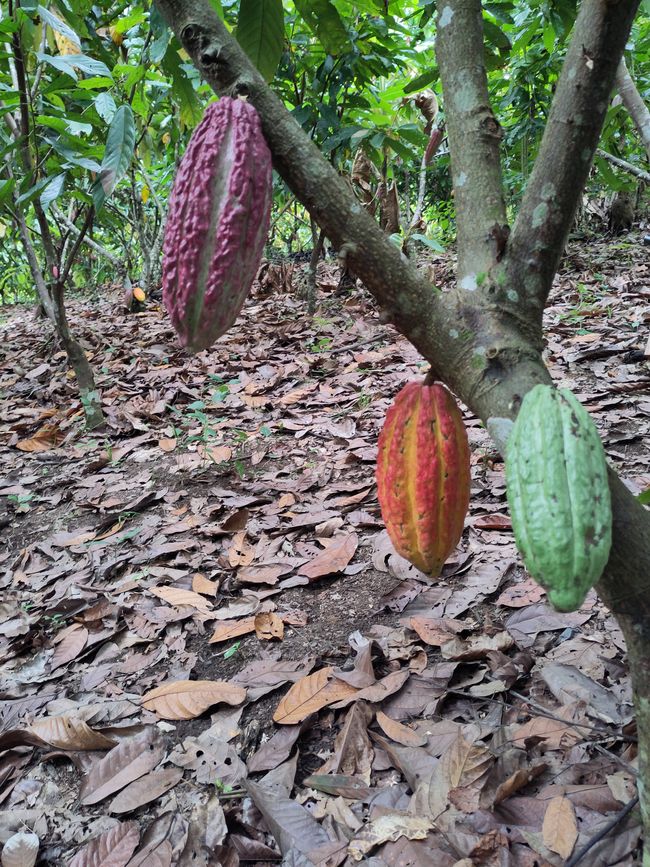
{"x": 209, "y": 652}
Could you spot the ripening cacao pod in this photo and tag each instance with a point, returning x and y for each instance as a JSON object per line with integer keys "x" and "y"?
{"x": 557, "y": 490}
{"x": 217, "y": 224}
{"x": 423, "y": 475}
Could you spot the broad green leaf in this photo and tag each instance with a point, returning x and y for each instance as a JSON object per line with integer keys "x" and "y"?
{"x": 160, "y": 32}
{"x": 33, "y": 192}
{"x": 260, "y": 32}
{"x": 495, "y": 36}
{"x": 189, "y": 106}
{"x": 117, "y": 156}
{"x": 422, "y": 81}
{"x": 105, "y": 105}
{"x": 129, "y": 21}
{"x": 53, "y": 190}
{"x": 69, "y": 64}
{"x": 95, "y": 83}
{"x": 428, "y": 242}
{"x": 326, "y": 24}
{"x": 58, "y": 25}
{"x": 6, "y": 189}
{"x": 548, "y": 38}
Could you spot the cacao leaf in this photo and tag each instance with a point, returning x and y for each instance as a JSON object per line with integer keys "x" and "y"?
{"x": 309, "y": 695}
{"x": 112, "y": 849}
{"x": 260, "y": 32}
{"x": 126, "y": 762}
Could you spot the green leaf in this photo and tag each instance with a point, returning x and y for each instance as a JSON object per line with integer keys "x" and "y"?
{"x": 69, "y": 64}
{"x": 548, "y": 38}
{"x": 6, "y": 189}
{"x": 105, "y": 105}
{"x": 260, "y": 32}
{"x": 428, "y": 242}
{"x": 326, "y": 24}
{"x": 421, "y": 81}
{"x": 117, "y": 156}
{"x": 53, "y": 190}
{"x": 58, "y": 25}
{"x": 189, "y": 106}
{"x": 644, "y": 497}
{"x": 495, "y": 36}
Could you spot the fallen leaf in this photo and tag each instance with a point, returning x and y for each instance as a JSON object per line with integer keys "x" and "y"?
{"x": 187, "y": 699}
{"x": 145, "y": 790}
{"x": 333, "y": 559}
{"x": 560, "y": 828}
{"x": 112, "y": 849}
{"x": 178, "y": 598}
{"x": 309, "y": 695}
{"x": 269, "y": 626}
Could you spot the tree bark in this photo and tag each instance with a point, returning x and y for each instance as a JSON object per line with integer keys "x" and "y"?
{"x": 633, "y": 102}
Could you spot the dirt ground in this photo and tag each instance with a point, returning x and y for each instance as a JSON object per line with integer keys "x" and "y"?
{"x": 223, "y": 529}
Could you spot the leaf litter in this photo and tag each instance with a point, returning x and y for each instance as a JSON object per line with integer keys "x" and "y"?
{"x": 211, "y": 654}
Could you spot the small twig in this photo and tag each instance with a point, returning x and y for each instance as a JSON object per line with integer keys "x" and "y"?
{"x": 618, "y": 818}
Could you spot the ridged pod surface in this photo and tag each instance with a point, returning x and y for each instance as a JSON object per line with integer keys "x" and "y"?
{"x": 423, "y": 475}
{"x": 217, "y": 223}
{"x": 559, "y": 499}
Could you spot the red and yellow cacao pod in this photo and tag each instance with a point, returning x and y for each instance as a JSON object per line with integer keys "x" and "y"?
{"x": 423, "y": 475}
{"x": 217, "y": 224}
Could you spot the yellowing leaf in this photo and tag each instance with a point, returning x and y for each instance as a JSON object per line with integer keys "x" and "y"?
{"x": 187, "y": 699}
{"x": 145, "y": 193}
{"x": 309, "y": 695}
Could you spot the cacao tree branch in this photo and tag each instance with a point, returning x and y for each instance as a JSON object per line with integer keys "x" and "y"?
{"x": 474, "y": 137}
{"x": 89, "y": 242}
{"x": 633, "y": 102}
{"x": 623, "y": 164}
{"x": 567, "y": 148}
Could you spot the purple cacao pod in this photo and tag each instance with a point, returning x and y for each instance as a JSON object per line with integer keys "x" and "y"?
{"x": 217, "y": 224}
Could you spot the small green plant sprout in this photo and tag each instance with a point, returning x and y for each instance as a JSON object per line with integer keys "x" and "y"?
{"x": 20, "y": 502}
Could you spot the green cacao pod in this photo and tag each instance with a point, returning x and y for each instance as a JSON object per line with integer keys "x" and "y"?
{"x": 423, "y": 475}
{"x": 217, "y": 223}
{"x": 558, "y": 495}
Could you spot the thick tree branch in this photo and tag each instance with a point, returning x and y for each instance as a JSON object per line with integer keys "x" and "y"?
{"x": 633, "y": 102}
{"x": 623, "y": 164}
{"x": 474, "y": 138}
{"x": 567, "y": 147}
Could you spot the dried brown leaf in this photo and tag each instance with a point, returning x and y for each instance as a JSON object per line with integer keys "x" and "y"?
{"x": 112, "y": 849}
{"x": 145, "y": 790}
{"x": 334, "y": 558}
{"x": 399, "y": 733}
{"x": 178, "y": 598}
{"x": 126, "y": 762}
{"x": 229, "y": 629}
{"x": 268, "y": 626}
{"x": 68, "y": 732}
{"x": 560, "y": 828}
{"x": 70, "y": 645}
{"x": 187, "y": 699}
{"x": 309, "y": 695}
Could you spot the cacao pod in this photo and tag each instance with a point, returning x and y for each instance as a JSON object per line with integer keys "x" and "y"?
{"x": 423, "y": 475}
{"x": 559, "y": 499}
{"x": 217, "y": 224}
